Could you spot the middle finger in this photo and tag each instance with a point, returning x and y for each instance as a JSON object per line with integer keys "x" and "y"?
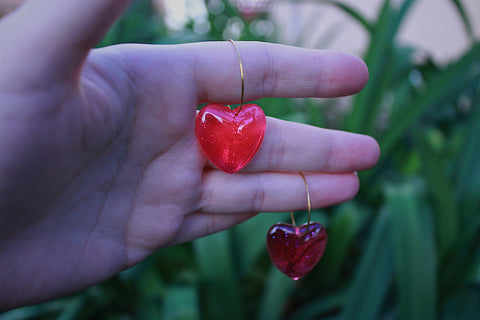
{"x": 292, "y": 147}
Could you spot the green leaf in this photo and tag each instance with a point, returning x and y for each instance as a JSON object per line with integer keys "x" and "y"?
{"x": 366, "y": 106}
{"x": 414, "y": 252}
{"x": 46, "y": 310}
{"x": 468, "y": 169}
{"x": 221, "y": 295}
{"x": 373, "y": 277}
{"x": 343, "y": 228}
{"x": 443, "y": 195}
{"x": 250, "y": 237}
{"x": 463, "y": 14}
{"x": 277, "y": 291}
{"x": 355, "y": 14}
{"x": 456, "y": 268}
{"x": 181, "y": 303}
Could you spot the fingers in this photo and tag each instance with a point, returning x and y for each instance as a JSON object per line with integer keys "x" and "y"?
{"x": 273, "y": 70}
{"x": 290, "y": 146}
{"x": 272, "y": 191}
{"x": 200, "y": 224}
{"x": 230, "y": 199}
{"x": 53, "y": 37}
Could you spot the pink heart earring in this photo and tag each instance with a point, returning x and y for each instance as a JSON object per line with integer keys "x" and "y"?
{"x": 296, "y": 250}
{"x": 230, "y": 138}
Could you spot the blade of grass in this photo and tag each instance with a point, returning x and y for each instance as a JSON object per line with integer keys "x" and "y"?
{"x": 443, "y": 195}
{"x": 395, "y": 74}
{"x": 349, "y": 10}
{"x": 250, "y": 237}
{"x": 366, "y": 105}
{"x": 344, "y": 226}
{"x": 463, "y": 15}
{"x": 376, "y": 59}
{"x": 414, "y": 252}
{"x": 222, "y": 299}
{"x": 468, "y": 169}
{"x": 355, "y": 14}
{"x": 46, "y": 311}
{"x": 455, "y": 269}
{"x": 277, "y": 291}
{"x": 372, "y": 280}
{"x": 180, "y": 302}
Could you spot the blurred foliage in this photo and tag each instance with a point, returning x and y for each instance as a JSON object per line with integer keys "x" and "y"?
{"x": 407, "y": 247}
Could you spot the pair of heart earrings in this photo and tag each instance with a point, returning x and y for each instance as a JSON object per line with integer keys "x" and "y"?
{"x": 230, "y": 138}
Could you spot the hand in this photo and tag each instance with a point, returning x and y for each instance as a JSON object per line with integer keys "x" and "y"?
{"x": 99, "y": 164}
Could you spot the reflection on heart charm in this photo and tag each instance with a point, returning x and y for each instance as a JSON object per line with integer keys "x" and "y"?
{"x": 293, "y": 250}
{"x": 230, "y": 138}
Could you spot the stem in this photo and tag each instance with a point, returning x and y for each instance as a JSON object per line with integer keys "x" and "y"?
{"x": 309, "y": 204}
{"x": 293, "y": 219}
{"x": 241, "y": 75}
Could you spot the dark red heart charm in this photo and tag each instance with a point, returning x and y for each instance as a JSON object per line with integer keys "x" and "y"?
{"x": 296, "y": 250}
{"x": 230, "y": 138}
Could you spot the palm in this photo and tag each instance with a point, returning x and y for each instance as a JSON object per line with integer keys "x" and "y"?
{"x": 100, "y": 165}
{"x": 152, "y": 146}
{"x": 97, "y": 172}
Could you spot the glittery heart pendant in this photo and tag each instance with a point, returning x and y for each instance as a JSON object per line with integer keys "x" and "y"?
{"x": 230, "y": 138}
{"x": 296, "y": 250}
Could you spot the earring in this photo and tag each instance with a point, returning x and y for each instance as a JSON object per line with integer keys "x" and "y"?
{"x": 296, "y": 250}
{"x": 230, "y": 138}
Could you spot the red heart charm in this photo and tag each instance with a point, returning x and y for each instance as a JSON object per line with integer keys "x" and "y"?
{"x": 230, "y": 138}
{"x": 296, "y": 250}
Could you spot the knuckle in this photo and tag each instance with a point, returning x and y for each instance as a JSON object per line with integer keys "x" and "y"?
{"x": 277, "y": 152}
{"x": 270, "y": 75}
{"x": 258, "y": 199}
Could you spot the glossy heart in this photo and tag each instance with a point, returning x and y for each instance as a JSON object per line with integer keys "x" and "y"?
{"x": 230, "y": 138}
{"x": 296, "y": 250}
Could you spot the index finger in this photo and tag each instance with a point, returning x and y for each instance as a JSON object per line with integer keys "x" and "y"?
{"x": 273, "y": 70}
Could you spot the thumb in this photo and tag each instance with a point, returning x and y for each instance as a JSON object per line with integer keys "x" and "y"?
{"x": 53, "y": 37}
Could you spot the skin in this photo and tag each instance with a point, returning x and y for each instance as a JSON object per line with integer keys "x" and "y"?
{"x": 99, "y": 163}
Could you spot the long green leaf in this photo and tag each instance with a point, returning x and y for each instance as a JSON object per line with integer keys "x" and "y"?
{"x": 349, "y": 10}
{"x": 366, "y": 106}
{"x": 376, "y": 59}
{"x": 353, "y": 13}
{"x": 463, "y": 14}
{"x": 222, "y": 299}
{"x": 341, "y": 234}
{"x": 277, "y": 292}
{"x": 454, "y": 272}
{"x": 39, "y": 311}
{"x": 180, "y": 302}
{"x": 414, "y": 251}
{"x": 373, "y": 277}
{"x": 468, "y": 168}
{"x": 443, "y": 195}
{"x": 250, "y": 238}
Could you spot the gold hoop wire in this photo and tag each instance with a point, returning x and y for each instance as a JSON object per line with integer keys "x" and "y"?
{"x": 309, "y": 203}
{"x": 241, "y": 73}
